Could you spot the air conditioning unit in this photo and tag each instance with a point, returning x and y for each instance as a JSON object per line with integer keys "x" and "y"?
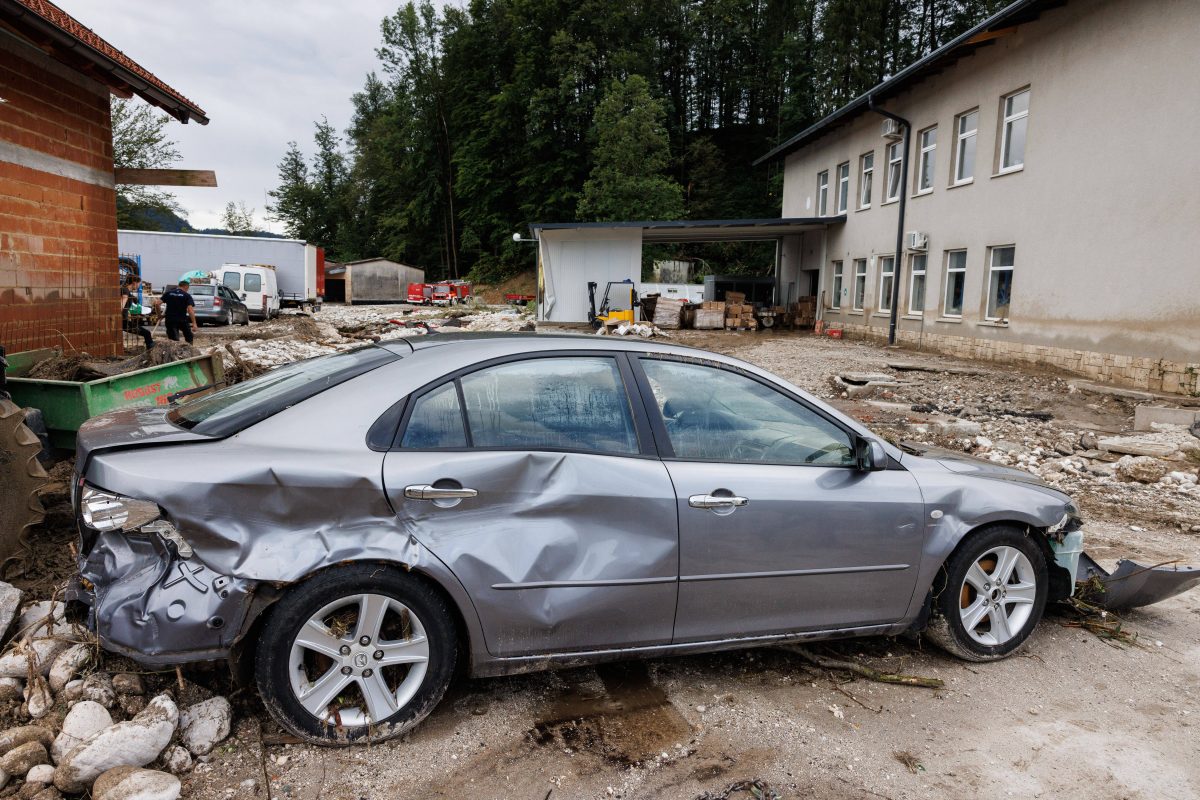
{"x": 891, "y": 129}
{"x": 917, "y": 242}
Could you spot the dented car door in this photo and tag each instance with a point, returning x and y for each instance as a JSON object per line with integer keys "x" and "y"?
{"x": 534, "y": 481}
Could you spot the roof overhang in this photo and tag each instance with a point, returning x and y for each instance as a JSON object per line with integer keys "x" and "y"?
{"x": 995, "y": 27}
{"x": 65, "y": 39}
{"x": 709, "y": 230}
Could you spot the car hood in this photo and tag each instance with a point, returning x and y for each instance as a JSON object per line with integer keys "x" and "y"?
{"x": 977, "y": 467}
{"x": 129, "y": 427}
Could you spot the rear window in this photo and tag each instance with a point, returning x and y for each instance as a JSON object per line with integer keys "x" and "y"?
{"x": 238, "y": 407}
{"x": 233, "y": 280}
{"x": 253, "y": 282}
{"x": 207, "y": 291}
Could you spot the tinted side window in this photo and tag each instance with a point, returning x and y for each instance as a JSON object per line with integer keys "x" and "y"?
{"x": 253, "y": 282}
{"x": 563, "y": 403}
{"x": 233, "y": 280}
{"x": 436, "y": 421}
{"x": 716, "y": 414}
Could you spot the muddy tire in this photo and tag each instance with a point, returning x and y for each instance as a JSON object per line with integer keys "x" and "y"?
{"x": 990, "y": 594}
{"x": 21, "y": 477}
{"x": 358, "y": 653}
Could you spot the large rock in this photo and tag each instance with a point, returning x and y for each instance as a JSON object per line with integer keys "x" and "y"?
{"x": 85, "y": 718}
{"x": 34, "y": 622}
{"x": 134, "y": 743}
{"x": 203, "y": 726}
{"x": 40, "y": 773}
{"x": 10, "y": 601}
{"x": 131, "y": 783}
{"x": 15, "y": 737}
{"x": 38, "y": 697}
{"x": 21, "y": 759}
{"x": 67, "y": 664}
{"x": 35, "y": 655}
{"x": 1143, "y": 469}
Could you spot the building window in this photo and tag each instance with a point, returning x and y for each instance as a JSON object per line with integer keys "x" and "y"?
{"x": 956, "y": 280}
{"x": 925, "y": 163}
{"x": 893, "y": 174}
{"x": 887, "y": 275}
{"x": 836, "y": 298}
{"x": 1016, "y": 121}
{"x": 916, "y": 287}
{"x": 823, "y": 193}
{"x": 1000, "y": 274}
{"x": 865, "y": 180}
{"x": 843, "y": 188}
{"x": 964, "y": 151}
{"x": 860, "y": 284}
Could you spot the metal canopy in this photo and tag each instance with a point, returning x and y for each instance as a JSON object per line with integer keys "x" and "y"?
{"x": 710, "y": 230}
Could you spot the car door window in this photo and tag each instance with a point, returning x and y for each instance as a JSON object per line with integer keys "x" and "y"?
{"x": 551, "y": 403}
{"x": 436, "y": 421}
{"x": 253, "y": 282}
{"x": 717, "y": 414}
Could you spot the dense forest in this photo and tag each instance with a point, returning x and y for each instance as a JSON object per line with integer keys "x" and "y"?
{"x": 483, "y": 119}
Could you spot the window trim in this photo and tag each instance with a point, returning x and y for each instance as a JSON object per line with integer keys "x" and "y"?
{"x": 843, "y": 188}
{"x": 837, "y": 279}
{"x": 823, "y": 193}
{"x": 658, "y": 425}
{"x": 924, "y": 151}
{"x": 1005, "y": 120}
{"x": 641, "y": 422}
{"x": 879, "y": 307}
{"x": 899, "y": 162}
{"x": 912, "y": 281}
{"x": 960, "y": 139}
{"x": 866, "y": 178}
{"x": 987, "y": 285}
{"x": 946, "y": 290}
{"x": 854, "y": 287}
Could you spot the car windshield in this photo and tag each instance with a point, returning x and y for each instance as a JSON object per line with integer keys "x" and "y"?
{"x": 238, "y": 407}
{"x": 203, "y": 290}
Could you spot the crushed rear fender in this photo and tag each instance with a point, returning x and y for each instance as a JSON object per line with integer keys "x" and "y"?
{"x": 1132, "y": 585}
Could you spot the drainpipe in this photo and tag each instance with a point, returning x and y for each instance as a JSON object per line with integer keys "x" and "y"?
{"x": 898, "y": 267}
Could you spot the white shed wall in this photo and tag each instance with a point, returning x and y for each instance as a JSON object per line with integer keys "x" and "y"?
{"x": 569, "y": 258}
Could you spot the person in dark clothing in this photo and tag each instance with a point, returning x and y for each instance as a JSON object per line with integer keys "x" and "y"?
{"x": 180, "y": 314}
{"x": 128, "y": 294}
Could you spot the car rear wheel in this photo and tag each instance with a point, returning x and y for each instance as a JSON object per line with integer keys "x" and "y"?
{"x": 357, "y": 653}
{"x": 992, "y": 592}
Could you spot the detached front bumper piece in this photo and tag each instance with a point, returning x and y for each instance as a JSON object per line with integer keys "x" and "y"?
{"x": 1132, "y": 585}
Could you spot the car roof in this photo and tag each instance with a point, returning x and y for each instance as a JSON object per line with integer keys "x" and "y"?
{"x": 523, "y": 342}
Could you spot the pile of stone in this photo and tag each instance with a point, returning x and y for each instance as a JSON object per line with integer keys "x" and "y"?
{"x": 70, "y": 728}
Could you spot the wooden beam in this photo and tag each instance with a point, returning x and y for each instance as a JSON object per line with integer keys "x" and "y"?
{"x": 987, "y": 36}
{"x": 166, "y": 177}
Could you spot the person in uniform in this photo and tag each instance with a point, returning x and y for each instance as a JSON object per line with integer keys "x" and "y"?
{"x": 180, "y": 311}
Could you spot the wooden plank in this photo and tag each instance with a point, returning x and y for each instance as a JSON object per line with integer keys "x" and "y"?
{"x": 166, "y": 177}
{"x": 987, "y": 36}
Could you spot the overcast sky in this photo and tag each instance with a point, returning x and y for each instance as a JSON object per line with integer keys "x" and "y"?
{"x": 263, "y": 70}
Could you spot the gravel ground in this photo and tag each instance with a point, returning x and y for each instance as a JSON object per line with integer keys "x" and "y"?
{"x": 1073, "y": 714}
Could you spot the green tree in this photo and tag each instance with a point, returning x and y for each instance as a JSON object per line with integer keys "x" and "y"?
{"x": 237, "y": 219}
{"x": 631, "y": 157}
{"x": 140, "y": 141}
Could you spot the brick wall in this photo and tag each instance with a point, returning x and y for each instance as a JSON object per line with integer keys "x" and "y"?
{"x": 58, "y": 226}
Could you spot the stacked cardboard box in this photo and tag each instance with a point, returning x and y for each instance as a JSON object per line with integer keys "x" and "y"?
{"x": 739, "y": 313}
{"x": 710, "y": 316}
{"x": 667, "y": 313}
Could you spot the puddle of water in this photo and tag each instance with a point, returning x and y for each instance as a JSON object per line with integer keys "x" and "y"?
{"x": 627, "y": 722}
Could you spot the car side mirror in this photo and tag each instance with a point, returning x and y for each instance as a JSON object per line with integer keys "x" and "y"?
{"x": 869, "y": 455}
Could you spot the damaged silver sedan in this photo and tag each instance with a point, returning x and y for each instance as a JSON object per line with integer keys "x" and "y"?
{"x": 357, "y": 526}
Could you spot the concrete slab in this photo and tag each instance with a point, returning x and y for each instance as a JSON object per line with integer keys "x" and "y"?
{"x": 1145, "y": 416}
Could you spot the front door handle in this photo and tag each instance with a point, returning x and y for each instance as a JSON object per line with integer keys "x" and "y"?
{"x": 424, "y": 491}
{"x": 716, "y": 501}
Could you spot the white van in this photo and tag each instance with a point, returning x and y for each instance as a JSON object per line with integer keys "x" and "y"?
{"x": 256, "y": 284}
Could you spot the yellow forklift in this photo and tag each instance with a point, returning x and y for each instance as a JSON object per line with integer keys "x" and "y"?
{"x": 618, "y": 305}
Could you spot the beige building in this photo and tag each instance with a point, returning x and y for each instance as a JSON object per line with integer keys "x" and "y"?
{"x": 1052, "y": 210}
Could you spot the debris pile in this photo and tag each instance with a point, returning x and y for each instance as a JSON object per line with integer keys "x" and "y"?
{"x": 70, "y": 728}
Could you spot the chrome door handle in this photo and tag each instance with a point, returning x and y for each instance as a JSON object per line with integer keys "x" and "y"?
{"x": 716, "y": 501}
{"x": 424, "y": 491}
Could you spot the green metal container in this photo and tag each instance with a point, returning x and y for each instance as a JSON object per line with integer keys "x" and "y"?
{"x": 65, "y": 405}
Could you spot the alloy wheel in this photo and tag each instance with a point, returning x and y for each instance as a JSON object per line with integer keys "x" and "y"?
{"x": 997, "y": 595}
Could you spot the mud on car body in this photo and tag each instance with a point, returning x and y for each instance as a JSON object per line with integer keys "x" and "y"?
{"x": 358, "y": 524}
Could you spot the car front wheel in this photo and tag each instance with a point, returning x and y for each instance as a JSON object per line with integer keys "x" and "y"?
{"x": 336, "y": 665}
{"x": 992, "y": 592}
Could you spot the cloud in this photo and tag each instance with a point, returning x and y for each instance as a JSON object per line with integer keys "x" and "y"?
{"x": 262, "y": 71}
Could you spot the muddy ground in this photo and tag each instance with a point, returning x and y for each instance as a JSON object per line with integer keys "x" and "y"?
{"x": 1072, "y": 715}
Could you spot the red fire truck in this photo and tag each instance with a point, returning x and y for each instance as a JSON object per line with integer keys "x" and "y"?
{"x": 451, "y": 293}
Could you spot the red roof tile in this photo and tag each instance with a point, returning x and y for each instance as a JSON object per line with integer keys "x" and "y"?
{"x": 86, "y": 36}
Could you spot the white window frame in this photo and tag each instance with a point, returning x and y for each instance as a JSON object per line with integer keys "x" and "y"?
{"x": 898, "y": 162}
{"x": 961, "y": 138}
{"x": 946, "y": 312}
{"x": 1006, "y": 123}
{"x": 927, "y": 152}
{"x": 843, "y": 187}
{"x": 912, "y": 282}
{"x": 823, "y": 193}
{"x": 838, "y": 279}
{"x": 866, "y": 179}
{"x": 885, "y": 299}
{"x": 854, "y": 297}
{"x": 992, "y": 268}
